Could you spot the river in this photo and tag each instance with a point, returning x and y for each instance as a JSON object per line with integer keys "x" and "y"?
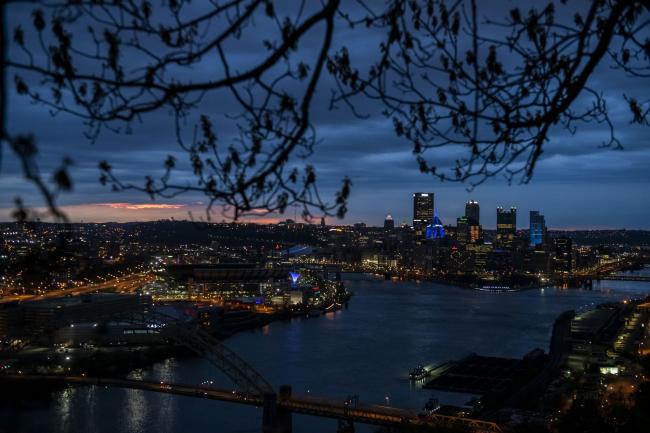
{"x": 366, "y": 350}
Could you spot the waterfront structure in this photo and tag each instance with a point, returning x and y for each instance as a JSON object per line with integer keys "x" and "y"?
{"x": 422, "y": 213}
{"x": 389, "y": 223}
{"x": 537, "y": 230}
{"x": 506, "y": 227}
{"x": 46, "y": 318}
{"x": 229, "y": 280}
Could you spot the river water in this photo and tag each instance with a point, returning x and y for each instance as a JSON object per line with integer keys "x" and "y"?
{"x": 365, "y": 350}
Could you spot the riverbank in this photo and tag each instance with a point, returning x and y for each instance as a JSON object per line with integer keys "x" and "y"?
{"x": 542, "y": 387}
{"x": 473, "y": 284}
{"x": 120, "y": 357}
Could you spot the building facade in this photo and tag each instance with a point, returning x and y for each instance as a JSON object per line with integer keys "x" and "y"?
{"x": 562, "y": 262}
{"x": 422, "y": 213}
{"x": 473, "y": 213}
{"x": 537, "y": 228}
{"x": 506, "y": 227}
{"x": 389, "y": 223}
{"x": 462, "y": 230}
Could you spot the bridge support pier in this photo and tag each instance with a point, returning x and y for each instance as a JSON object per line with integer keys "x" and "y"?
{"x": 345, "y": 426}
{"x": 276, "y": 419}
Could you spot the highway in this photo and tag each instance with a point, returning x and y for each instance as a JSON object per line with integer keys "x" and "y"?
{"x": 366, "y": 414}
{"x": 126, "y": 284}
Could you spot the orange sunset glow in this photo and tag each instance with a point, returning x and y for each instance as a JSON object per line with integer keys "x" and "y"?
{"x": 126, "y": 212}
{"x": 142, "y": 206}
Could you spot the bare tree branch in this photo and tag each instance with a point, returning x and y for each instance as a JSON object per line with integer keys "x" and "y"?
{"x": 495, "y": 89}
{"x": 447, "y": 74}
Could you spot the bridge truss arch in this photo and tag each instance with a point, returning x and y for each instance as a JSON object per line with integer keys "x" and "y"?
{"x": 189, "y": 335}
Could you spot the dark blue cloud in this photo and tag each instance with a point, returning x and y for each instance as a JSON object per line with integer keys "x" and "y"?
{"x": 578, "y": 183}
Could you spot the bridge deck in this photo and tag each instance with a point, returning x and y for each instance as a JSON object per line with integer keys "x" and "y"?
{"x": 367, "y": 414}
{"x": 624, "y": 277}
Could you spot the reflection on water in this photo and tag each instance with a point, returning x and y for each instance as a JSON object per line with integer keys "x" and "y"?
{"x": 166, "y": 408}
{"x": 89, "y": 399}
{"x": 135, "y": 410}
{"x": 367, "y": 350}
{"x": 64, "y": 406}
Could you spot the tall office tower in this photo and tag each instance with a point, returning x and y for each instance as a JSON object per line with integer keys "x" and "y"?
{"x": 422, "y": 213}
{"x": 389, "y": 223}
{"x": 506, "y": 227}
{"x": 562, "y": 261}
{"x": 473, "y": 213}
{"x": 537, "y": 228}
{"x": 462, "y": 230}
{"x": 422, "y": 209}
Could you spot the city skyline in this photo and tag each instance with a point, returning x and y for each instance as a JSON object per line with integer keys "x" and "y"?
{"x": 124, "y": 212}
{"x": 581, "y": 206}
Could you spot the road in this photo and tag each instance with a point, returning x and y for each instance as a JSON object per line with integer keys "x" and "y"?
{"x": 126, "y": 284}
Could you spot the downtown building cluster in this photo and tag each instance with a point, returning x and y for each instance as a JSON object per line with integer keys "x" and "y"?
{"x": 467, "y": 252}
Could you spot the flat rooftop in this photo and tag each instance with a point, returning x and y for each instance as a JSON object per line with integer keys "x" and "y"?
{"x": 69, "y": 301}
{"x": 590, "y": 324}
{"x": 226, "y": 272}
{"x": 477, "y": 374}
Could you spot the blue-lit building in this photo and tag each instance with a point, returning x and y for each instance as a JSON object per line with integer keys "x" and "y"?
{"x": 537, "y": 228}
{"x": 294, "y": 277}
{"x": 435, "y": 230}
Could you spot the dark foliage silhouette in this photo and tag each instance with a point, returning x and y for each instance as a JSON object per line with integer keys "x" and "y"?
{"x": 444, "y": 74}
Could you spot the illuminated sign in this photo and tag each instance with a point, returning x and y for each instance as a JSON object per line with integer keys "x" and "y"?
{"x": 294, "y": 277}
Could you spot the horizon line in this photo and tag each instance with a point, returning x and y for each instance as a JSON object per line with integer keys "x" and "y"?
{"x": 253, "y": 222}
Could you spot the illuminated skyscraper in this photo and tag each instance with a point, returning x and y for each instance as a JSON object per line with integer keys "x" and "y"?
{"x": 389, "y": 223}
{"x": 563, "y": 260}
{"x": 537, "y": 228}
{"x": 422, "y": 213}
{"x": 435, "y": 230}
{"x": 462, "y": 230}
{"x": 422, "y": 209}
{"x": 506, "y": 227}
{"x": 473, "y": 213}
